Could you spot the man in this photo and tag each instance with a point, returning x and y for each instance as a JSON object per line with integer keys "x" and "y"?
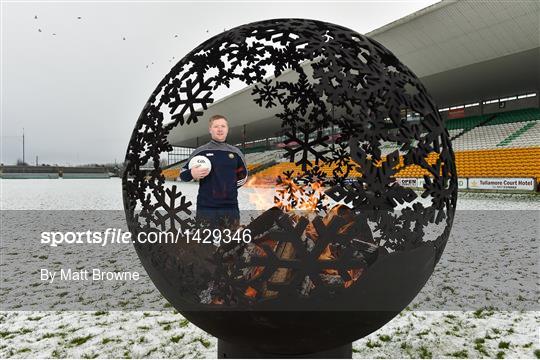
{"x": 217, "y": 200}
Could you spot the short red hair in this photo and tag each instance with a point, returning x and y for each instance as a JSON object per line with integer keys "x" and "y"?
{"x": 215, "y": 117}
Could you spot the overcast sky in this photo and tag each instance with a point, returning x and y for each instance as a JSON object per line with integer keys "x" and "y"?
{"x": 77, "y": 87}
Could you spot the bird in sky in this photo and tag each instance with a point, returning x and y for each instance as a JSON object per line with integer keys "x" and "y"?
{"x": 175, "y": 36}
{"x": 39, "y": 30}
{"x": 35, "y": 17}
{"x": 124, "y": 38}
{"x": 78, "y": 17}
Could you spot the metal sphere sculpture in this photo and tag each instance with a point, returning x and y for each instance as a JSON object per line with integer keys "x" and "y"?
{"x": 368, "y": 246}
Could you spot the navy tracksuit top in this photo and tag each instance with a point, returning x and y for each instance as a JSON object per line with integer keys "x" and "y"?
{"x": 219, "y": 189}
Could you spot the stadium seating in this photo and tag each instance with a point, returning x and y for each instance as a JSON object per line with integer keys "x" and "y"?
{"x": 466, "y": 123}
{"x": 513, "y": 162}
{"x": 501, "y": 118}
{"x": 510, "y": 135}
{"x": 171, "y": 174}
{"x": 508, "y": 145}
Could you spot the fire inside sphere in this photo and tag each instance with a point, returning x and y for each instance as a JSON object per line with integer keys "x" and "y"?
{"x": 344, "y": 247}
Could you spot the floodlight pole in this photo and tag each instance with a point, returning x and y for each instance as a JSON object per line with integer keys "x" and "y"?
{"x": 23, "y": 146}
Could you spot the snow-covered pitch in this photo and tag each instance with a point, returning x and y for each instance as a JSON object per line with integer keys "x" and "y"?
{"x": 482, "y": 332}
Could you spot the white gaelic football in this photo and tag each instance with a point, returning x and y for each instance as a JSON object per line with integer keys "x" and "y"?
{"x": 203, "y": 161}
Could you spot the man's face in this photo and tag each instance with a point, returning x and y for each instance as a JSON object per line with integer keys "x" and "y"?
{"x": 219, "y": 129}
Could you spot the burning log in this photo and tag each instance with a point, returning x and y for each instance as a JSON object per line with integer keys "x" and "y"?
{"x": 281, "y": 275}
{"x": 271, "y": 223}
{"x": 288, "y": 236}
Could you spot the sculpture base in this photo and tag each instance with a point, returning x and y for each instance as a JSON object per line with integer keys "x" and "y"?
{"x": 227, "y": 350}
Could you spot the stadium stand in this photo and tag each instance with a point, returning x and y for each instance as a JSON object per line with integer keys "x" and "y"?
{"x": 501, "y": 145}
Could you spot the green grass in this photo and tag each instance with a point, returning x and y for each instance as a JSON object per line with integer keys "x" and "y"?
{"x": 404, "y": 346}
{"x": 165, "y": 322}
{"x": 175, "y": 339}
{"x": 479, "y": 346}
{"x": 150, "y": 351}
{"x": 204, "y": 342}
{"x": 424, "y": 353}
{"x": 55, "y": 354}
{"x": 449, "y": 289}
{"x": 384, "y": 338}
{"x": 372, "y": 345}
{"x": 537, "y": 353}
{"x": 504, "y": 345}
{"x": 80, "y": 340}
{"x": 483, "y": 313}
{"x": 462, "y": 354}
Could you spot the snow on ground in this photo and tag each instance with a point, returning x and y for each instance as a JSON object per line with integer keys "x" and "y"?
{"x": 106, "y": 194}
{"x": 166, "y": 334}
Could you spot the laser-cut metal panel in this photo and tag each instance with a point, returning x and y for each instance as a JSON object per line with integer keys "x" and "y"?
{"x": 350, "y": 82}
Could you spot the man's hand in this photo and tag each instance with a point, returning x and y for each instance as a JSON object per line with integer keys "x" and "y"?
{"x": 198, "y": 173}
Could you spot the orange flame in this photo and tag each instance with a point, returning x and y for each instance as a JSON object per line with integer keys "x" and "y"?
{"x": 259, "y": 200}
{"x": 327, "y": 255}
{"x": 250, "y": 292}
{"x": 354, "y": 274}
